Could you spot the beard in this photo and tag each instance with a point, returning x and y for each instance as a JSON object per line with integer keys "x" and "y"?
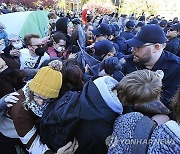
{"x": 143, "y": 58}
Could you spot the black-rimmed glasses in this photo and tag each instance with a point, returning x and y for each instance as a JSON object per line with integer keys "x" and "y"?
{"x": 39, "y": 97}
{"x": 137, "y": 48}
{"x": 171, "y": 29}
{"x": 38, "y": 45}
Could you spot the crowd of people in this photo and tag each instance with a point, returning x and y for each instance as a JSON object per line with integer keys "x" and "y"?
{"x": 94, "y": 85}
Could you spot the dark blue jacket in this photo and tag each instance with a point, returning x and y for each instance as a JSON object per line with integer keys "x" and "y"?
{"x": 5, "y": 11}
{"x": 173, "y": 45}
{"x": 122, "y": 44}
{"x": 97, "y": 123}
{"x": 127, "y": 35}
{"x": 170, "y": 65}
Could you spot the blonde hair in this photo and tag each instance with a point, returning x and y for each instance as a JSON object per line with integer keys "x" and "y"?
{"x": 139, "y": 87}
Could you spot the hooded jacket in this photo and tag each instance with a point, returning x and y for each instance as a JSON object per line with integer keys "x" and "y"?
{"x": 99, "y": 108}
{"x": 61, "y": 25}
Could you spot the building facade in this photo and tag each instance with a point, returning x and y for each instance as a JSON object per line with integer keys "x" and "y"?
{"x": 70, "y": 5}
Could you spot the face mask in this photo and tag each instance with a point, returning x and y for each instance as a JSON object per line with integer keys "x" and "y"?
{"x": 59, "y": 49}
{"x": 40, "y": 51}
{"x": 18, "y": 45}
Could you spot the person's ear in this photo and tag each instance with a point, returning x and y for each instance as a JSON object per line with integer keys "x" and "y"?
{"x": 177, "y": 33}
{"x": 54, "y": 44}
{"x": 157, "y": 46}
{"x": 29, "y": 46}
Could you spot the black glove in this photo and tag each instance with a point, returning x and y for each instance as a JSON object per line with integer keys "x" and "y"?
{"x": 110, "y": 65}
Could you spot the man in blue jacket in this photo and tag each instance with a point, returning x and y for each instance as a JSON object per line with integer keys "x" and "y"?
{"x": 128, "y": 31}
{"x": 147, "y": 53}
{"x": 173, "y": 44}
{"x": 119, "y": 40}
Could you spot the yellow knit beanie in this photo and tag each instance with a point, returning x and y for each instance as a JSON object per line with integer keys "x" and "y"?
{"x": 48, "y": 81}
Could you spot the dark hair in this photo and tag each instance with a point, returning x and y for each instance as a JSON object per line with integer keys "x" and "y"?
{"x": 27, "y": 38}
{"x": 51, "y": 14}
{"x": 89, "y": 18}
{"x": 176, "y": 106}
{"x": 75, "y": 47}
{"x": 55, "y": 38}
{"x": 72, "y": 74}
{"x": 75, "y": 37}
{"x": 59, "y": 36}
{"x": 41, "y": 8}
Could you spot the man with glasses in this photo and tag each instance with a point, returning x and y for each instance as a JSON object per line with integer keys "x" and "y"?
{"x": 173, "y": 44}
{"x": 148, "y": 53}
{"x": 32, "y": 56}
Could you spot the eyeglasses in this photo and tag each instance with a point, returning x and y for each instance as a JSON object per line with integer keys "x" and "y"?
{"x": 137, "y": 48}
{"x": 38, "y": 45}
{"x": 39, "y": 97}
{"x": 15, "y": 41}
{"x": 171, "y": 29}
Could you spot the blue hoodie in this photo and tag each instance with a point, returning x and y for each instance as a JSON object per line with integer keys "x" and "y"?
{"x": 99, "y": 109}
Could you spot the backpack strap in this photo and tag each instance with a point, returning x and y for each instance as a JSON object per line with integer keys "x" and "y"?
{"x": 37, "y": 62}
{"x": 142, "y": 133}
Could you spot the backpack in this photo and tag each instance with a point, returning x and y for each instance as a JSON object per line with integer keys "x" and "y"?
{"x": 147, "y": 126}
{"x": 60, "y": 121}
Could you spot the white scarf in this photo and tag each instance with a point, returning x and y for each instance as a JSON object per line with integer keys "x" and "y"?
{"x": 36, "y": 109}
